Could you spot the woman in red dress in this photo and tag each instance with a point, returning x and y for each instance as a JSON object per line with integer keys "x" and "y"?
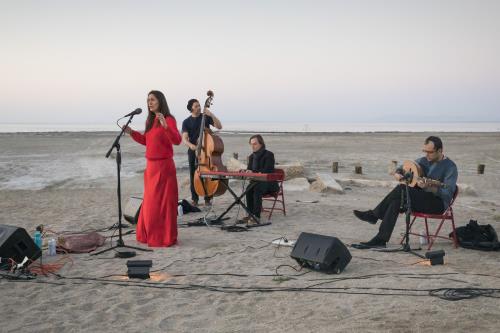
{"x": 157, "y": 225}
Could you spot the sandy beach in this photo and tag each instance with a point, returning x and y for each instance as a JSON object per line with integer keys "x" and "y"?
{"x": 216, "y": 281}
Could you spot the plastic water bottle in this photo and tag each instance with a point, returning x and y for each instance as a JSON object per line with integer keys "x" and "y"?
{"x": 423, "y": 238}
{"x": 38, "y": 239}
{"x": 180, "y": 212}
{"x": 52, "y": 247}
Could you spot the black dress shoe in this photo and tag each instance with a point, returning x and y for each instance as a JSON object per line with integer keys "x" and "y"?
{"x": 366, "y": 216}
{"x": 374, "y": 242}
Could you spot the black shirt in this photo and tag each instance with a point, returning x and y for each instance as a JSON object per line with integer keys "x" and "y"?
{"x": 192, "y": 125}
{"x": 261, "y": 161}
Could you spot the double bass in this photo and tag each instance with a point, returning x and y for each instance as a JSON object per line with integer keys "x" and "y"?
{"x": 209, "y": 157}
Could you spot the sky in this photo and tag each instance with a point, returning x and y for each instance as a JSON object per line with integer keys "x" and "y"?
{"x": 267, "y": 61}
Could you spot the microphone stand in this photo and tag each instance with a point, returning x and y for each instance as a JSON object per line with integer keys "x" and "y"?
{"x": 407, "y": 202}
{"x": 119, "y": 243}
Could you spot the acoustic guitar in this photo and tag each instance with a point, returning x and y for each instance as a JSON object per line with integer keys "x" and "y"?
{"x": 413, "y": 173}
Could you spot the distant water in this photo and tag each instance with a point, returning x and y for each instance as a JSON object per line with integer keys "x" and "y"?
{"x": 67, "y": 160}
{"x": 34, "y": 161}
{"x": 80, "y": 169}
{"x": 282, "y": 127}
{"x": 362, "y": 127}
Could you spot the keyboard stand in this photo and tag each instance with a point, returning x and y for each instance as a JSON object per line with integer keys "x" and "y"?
{"x": 238, "y": 201}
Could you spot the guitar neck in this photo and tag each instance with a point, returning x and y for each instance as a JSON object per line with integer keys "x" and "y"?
{"x": 432, "y": 182}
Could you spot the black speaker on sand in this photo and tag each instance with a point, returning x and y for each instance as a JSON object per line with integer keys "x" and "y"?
{"x": 132, "y": 209}
{"x": 322, "y": 253}
{"x": 15, "y": 243}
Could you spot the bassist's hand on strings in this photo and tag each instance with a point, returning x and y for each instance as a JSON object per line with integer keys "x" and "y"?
{"x": 207, "y": 112}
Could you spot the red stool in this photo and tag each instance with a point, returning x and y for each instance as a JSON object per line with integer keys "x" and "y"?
{"x": 447, "y": 215}
{"x": 275, "y": 197}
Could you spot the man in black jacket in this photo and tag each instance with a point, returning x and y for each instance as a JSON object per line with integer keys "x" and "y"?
{"x": 261, "y": 160}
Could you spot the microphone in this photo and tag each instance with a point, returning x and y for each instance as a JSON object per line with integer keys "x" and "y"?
{"x": 133, "y": 113}
{"x": 407, "y": 176}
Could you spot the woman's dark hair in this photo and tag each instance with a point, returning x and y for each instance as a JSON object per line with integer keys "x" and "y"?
{"x": 259, "y": 138}
{"x": 190, "y": 104}
{"x": 163, "y": 109}
{"x": 438, "y": 144}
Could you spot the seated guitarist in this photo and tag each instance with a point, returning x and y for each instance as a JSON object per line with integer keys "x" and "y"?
{"x": 424, "y": 198}
{"x": 261, "y": 160}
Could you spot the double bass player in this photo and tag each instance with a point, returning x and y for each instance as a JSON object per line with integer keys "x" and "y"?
{"x": 191, "y": 128}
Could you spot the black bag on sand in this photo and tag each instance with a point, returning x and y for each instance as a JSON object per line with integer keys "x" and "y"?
{"x": 478, "y": 237}
{"x": 187, "y": 207}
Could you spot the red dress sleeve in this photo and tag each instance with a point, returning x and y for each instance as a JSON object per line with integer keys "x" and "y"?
{"x": 172, "y": 131}
{"x": 138, "y": 137}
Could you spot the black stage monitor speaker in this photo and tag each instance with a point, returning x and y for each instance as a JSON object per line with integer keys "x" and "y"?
{"x": 132, "y": 209}
{"x": 139, "y": 268}
{"x": 319, "y": 252}
{"x": 15, "y": 243}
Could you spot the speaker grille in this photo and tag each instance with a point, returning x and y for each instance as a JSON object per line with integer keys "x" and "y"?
{"x": 321, "y": 252}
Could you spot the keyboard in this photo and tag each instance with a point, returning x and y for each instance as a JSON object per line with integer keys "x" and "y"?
{"x": 257, "y": 176}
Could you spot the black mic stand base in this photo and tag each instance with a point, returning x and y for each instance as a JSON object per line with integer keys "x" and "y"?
{"x": 121, "y": 245}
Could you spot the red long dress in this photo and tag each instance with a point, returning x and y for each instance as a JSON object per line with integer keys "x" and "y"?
{"x": 157, "y": 225}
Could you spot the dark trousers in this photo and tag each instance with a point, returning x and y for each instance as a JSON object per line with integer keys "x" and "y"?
{"x": 390, "y": 207}
{"x": 193, "y": 163}
{"x": 192, "y": 169}
{"x": 254, "y": 196}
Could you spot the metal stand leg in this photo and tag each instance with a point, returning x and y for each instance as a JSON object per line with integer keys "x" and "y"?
{"x": 238, "y": 201}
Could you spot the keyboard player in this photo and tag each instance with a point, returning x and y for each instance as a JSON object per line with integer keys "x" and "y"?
{"x": 261, "y": 160}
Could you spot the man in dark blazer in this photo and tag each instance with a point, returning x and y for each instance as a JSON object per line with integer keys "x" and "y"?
{"x": 261, "y": 160}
